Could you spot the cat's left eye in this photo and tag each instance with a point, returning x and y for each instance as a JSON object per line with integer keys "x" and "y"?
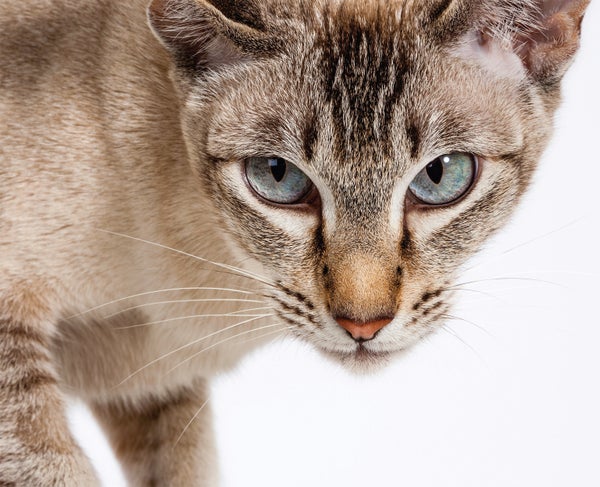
{"x": 445, "y": 180}
{"x": 277, "y": 180}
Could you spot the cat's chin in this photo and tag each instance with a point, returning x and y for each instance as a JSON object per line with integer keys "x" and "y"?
{"x": 361, "y": 361}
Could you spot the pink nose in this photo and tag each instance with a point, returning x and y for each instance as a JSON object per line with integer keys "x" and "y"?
{"x": 362, "y": 331}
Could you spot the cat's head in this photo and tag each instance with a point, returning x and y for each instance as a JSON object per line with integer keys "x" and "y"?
{"x": 361, "y": 151}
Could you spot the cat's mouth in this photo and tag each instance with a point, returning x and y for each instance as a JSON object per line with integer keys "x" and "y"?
{"x": 371, "y": 355}
{"x": 361, "y": 359}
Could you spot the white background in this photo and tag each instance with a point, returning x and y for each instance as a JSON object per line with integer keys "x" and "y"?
{"x": 513, "y": 401}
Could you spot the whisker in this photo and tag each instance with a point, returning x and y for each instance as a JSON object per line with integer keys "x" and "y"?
{"x": 475, "y": 291}
{"x": 528, "y": 242}
{"x": 188, "y": 345}
{"x": 158, "y": 291}
{"x": 188, "y": 317}
{"x": 237, "y": 270}
{"x": 452, "y": 317}
{"x": 560, "y": 272}
{"x": 194, "y": 355}
{"x": 492, "y": 279}
{"x": 453, "y": 333}
{"x": 285, "y": 328}
{"x": 262, "y": 308}
{"x": 191, "y": 421}
{"x": 176, "y": 301}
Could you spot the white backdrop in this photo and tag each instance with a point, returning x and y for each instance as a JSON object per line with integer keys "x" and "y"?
{"x": 511, "y": 399}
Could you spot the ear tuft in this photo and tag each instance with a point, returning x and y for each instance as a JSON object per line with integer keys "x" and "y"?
{"x": 203, "y": 34}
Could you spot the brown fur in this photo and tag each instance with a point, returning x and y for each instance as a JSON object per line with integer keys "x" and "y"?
{"x": 121, "y": 150}
{"x": 156, "y": 441}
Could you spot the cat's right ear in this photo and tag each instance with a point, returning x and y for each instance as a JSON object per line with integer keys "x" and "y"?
{"x": 211, "y": 34}
{"x": 536, "y": 37}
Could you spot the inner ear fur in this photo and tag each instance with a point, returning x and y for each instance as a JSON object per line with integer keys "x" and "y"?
{"x": 544, "y": 34}
{"x": 550, "y": 43}
{"x": 210, "y": 34}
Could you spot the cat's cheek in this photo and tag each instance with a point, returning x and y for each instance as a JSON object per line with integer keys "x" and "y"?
{"x": 275, "y": 241}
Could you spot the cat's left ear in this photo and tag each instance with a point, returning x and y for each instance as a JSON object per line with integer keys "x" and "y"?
{"x": 205, "y": 35}
{"x": 542, "y": 34}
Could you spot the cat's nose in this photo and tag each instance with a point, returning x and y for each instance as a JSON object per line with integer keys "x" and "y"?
{"x": 361, "y": 332}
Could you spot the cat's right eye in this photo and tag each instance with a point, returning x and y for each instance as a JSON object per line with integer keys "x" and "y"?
{"x": 445, "y": 180}
{"x": 277, "y": 180}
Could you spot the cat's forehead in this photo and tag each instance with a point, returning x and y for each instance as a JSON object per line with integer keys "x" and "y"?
{"x": 383, "y": 12}
{"x": 360, "y": 61}
{"x": 384, "y": 97}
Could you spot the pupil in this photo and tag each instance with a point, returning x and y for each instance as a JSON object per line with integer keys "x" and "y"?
{"x": 278, "y": 167}
{"x": 435, "y": 171}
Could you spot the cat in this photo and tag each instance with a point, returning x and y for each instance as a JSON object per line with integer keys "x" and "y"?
{"x": 185, "y": 180}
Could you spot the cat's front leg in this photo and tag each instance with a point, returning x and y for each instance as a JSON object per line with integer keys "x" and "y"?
{"x": 163, "y": 441}
{"x": 36, "y": 447}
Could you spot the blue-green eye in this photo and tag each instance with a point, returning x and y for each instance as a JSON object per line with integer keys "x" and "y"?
{"x": 446, "y": 179}
{"x": 277, "y": 180}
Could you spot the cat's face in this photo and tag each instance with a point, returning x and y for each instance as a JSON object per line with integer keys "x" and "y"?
{"x": 362, "y": 151}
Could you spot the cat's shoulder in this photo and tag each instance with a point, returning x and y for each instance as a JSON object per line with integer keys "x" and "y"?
{"x": 34, "y": 31}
